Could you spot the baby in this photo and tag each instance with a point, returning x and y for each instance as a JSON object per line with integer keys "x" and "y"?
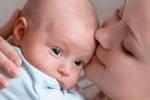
{"x": 55, "y": 39}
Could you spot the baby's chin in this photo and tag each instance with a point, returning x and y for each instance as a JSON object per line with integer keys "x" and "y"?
{"x": 63, "y": 87}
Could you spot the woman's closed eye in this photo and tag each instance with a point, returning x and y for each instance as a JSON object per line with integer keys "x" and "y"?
{"x": 57, "y": 52}
{"x": 125, "y": 50}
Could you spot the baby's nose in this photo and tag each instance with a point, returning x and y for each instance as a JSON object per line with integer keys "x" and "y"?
{"x": 64, "y": 69}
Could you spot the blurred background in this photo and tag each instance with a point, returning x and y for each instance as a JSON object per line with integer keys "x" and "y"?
{"x": 104, "y": 9}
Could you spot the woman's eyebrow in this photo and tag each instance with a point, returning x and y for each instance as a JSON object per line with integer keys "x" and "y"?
{"x": 132, "y": 33}
{"x": 125, "y": 2}
{"x": 123, "y": 8}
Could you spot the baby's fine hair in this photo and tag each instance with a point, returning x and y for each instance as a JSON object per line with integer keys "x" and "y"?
{"x": 82, "y": 9}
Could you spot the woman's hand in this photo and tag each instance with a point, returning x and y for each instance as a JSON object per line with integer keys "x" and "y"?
{"x": 9, "y": 59}
{"x": 76, "y": 88}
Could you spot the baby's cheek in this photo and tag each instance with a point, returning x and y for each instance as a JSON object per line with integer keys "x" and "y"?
{"x": 73, "y": 80}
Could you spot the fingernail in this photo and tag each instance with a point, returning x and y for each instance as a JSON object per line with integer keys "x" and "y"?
{"x": 14, "y": 72}
{"x": 4, "y": 83}
{"x": 16, "y": 60}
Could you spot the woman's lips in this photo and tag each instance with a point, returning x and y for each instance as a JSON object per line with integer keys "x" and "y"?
{"x": 95, "y": 59}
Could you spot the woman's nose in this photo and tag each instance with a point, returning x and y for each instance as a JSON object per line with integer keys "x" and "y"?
{"x": 107, "y": 36}
{"x": 103, "y": 35}
{"x": 64, "y": 69}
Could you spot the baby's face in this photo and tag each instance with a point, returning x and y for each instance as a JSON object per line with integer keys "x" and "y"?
{"x": 60, "y": 50}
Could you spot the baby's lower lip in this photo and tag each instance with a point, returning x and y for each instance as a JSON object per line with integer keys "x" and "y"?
{"x": 59, "y": 82}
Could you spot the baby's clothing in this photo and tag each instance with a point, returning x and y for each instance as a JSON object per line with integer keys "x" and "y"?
{"x": 32, "y": 84}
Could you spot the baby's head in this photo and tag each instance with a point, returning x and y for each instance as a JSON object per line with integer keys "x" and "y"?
{"x": 57, "y": 37}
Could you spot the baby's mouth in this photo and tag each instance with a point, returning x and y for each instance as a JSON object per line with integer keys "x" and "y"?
{"x": 60, "y": 82}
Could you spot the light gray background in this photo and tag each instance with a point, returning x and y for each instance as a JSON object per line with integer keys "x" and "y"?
{"x": 104, "y": 8}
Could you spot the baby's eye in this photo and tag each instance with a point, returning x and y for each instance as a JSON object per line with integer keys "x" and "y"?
{"x": 57, "y": 52}
{"x": 78, "y": 63}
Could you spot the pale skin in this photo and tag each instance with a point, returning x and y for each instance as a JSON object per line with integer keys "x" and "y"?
{"x": 122, "y": 67}
{"x": 60, "y": 52}
{"x": 124, "y": 75}
{"x": 59, "y": 56}
{"x": 10, "y": 65}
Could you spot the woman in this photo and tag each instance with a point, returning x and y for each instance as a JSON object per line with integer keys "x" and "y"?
{"x": 121, "y": 64}
{"x": 122, "y": 67}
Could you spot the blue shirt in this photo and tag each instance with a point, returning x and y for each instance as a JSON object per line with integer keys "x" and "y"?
{"x": 32, "y": 84}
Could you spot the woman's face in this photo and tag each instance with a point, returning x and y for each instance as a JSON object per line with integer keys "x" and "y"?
{"x": 121, "y": 65}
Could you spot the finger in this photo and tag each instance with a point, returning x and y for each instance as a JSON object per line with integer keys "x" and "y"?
{"x": 7, "y": 29}
{"x": 3, "y": 82}
{"x": 9, "y": 52}
{"x": 7, "y": 66}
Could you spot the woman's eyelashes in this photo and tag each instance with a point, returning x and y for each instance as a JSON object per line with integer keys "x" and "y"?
{"x": 125, "y": 50}
{"x": 57, "y": 52}
{"x": 117, "y": 12}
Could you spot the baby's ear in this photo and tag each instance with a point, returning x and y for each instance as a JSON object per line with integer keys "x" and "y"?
{"x": 19, "y": 31}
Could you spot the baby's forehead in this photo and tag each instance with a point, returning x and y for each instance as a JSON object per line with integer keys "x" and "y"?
{"x": 81, "y": 40}
{"x": 72, "y": 33}
{"x": 43, "y": 9}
